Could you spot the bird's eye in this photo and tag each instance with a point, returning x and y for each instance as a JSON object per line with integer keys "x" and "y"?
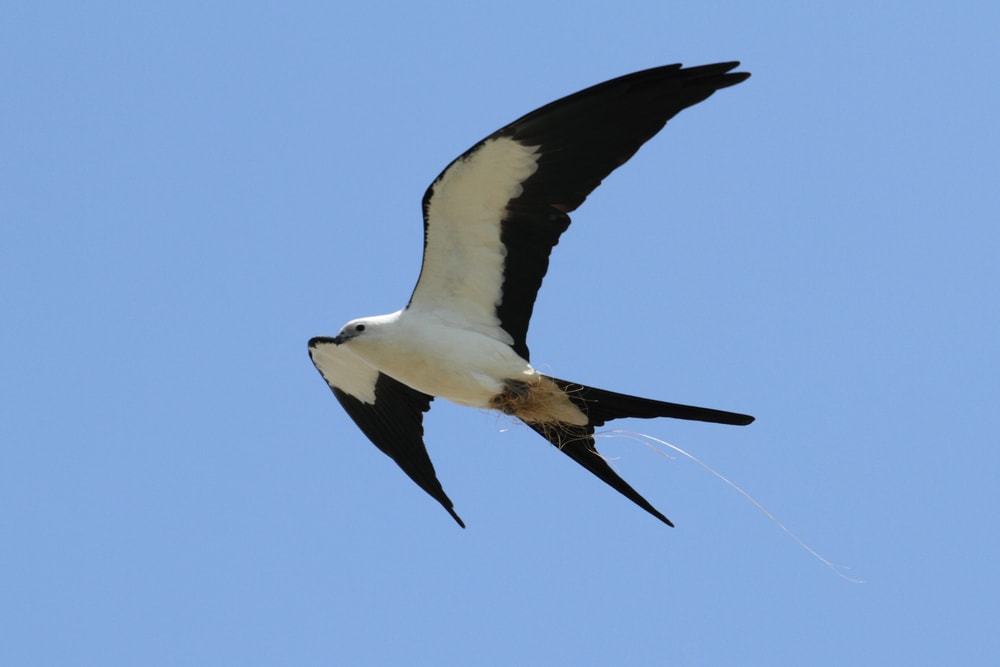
{"x": 359, "y": 327}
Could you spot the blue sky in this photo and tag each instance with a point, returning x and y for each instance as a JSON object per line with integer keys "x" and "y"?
{"x": 188, "y": 192}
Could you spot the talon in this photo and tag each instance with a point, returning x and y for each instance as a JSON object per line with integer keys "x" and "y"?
{"x": 519, "y": 389}
{"x": 512, "y": 398}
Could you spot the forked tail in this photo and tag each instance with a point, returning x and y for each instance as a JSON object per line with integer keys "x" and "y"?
{"x": 602, "y": 406}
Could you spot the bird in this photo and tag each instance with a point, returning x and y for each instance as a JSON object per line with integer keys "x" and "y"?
{"x": 491, "y": 219}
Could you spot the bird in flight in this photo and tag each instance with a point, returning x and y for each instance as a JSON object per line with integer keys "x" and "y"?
{"x": 490, "y": 221}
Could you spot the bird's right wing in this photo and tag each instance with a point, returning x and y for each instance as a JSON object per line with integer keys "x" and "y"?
{"x": 386, "y": 410}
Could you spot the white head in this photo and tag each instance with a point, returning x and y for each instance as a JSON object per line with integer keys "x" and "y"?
{"x": 367, "y": 329}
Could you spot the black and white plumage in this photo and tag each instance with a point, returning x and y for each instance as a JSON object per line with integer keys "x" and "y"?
{"x": 490, "y": 221}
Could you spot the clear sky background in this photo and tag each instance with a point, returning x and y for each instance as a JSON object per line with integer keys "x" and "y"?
{"x": 188, "y": 192}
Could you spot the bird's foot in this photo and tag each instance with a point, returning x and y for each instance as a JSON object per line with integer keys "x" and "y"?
{"x": 513, "y": 396}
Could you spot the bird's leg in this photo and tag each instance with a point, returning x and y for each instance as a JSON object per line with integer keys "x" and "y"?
{"x": 513, "y": 396}
{"x": 520, "y": 389}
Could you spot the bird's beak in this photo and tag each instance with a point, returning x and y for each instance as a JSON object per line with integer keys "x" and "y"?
{"x": 338, "y": 339}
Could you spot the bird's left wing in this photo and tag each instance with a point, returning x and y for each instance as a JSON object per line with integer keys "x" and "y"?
{"x": 386, "y": 410}
{"x": 494, "y": 214}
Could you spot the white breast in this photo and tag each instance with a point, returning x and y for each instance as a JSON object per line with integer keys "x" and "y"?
{"x": 437, "y": 358}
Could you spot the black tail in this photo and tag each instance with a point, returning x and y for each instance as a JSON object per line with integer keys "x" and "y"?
{"x": 602, "y": 406}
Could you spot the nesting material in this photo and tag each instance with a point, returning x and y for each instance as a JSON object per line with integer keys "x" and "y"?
{"x": 538, "y": 401}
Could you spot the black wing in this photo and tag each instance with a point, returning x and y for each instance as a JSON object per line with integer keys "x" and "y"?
{"x": 577, "y": 141}
{"x": 386, "y": 410}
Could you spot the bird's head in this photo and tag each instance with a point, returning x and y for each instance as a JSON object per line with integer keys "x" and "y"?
{"x": 364, "y": 329}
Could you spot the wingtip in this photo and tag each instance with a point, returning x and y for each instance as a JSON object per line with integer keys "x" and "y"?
{"x": 722, "y": 73}
{"x": 455, "y": 516}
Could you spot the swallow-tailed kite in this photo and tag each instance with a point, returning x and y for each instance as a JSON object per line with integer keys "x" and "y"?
{"x": 490, "y": 221}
